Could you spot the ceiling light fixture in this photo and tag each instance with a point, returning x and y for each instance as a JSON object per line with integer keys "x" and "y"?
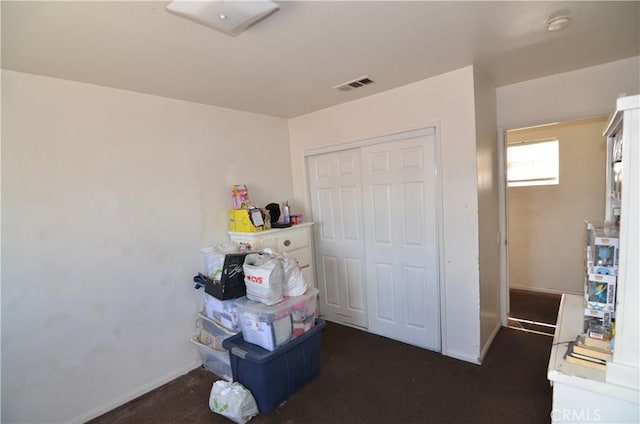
{"x": 556, "y": 23}
{"x": 229, "y": 16}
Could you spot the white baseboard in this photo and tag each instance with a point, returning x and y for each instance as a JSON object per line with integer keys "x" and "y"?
{"x": 544, "y": 290}
{"x": 461, "y": 356}
{"x": 487, "y": 345}
{"x": 96, "y": 412}
{"x": 337, "y": 321}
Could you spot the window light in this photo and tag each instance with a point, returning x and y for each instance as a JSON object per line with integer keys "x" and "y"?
{"x": 533, "y": 163}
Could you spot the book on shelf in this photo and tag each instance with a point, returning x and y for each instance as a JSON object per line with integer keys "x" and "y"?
{"x": 582, "y": 348}
{"x": 575, "y": 358}
{"x": 604, "y": 344}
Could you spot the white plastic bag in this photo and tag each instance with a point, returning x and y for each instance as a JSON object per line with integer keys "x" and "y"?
{"x": 213, "y": 259}
{"x": 264, "y": 277}
{"x": 232, "y": 400}
{"x": 294, "y": 282}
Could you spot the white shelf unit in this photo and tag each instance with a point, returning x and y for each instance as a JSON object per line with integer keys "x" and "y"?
{"x": 582, "y": 394}
{"x": 611, "y": 396}
{"x": 625, "y": 367}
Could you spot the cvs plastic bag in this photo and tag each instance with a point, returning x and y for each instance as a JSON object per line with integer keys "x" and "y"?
{"x": 232, "y": 400}
{"x": 264, "y": 277}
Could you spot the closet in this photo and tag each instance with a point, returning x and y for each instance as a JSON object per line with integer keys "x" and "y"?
{"x": 375, "y": 204}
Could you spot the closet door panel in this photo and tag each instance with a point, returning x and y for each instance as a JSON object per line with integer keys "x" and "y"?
{"x": 398, "y": 180}
{"x": 349, "y": 197}
{"x": 329, "y": 267}
{"x": 381, "y": 212}
{"x": 412, "y": 226}
{"x": 335, "y": 188}
{"x": 355, "y": 284}
{"x": 416, "y": 284}
{"x": 385, "y": 292}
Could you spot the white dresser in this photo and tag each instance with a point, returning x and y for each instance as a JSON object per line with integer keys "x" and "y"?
{"x": 296, "y": 241}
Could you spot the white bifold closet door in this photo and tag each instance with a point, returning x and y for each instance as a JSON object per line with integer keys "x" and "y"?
{"x": 334, "y": 180}
{"x": 399, "y": 204}
{"x": 376, "y": 238}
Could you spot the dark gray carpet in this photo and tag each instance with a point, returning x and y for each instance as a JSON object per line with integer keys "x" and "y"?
{"x": 534, "y": 306}
{"x": 371, "y": 379}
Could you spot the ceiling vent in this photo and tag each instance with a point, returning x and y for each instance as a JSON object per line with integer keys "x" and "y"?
{"x": 356, "y": 83}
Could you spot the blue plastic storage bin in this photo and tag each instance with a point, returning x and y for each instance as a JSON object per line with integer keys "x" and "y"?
{"x": 272, "y": 377}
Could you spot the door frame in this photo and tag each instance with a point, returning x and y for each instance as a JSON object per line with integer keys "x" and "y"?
{"x": 430, "y": 129}
{"x": 504, "y": 200}
{"x": 503, "y": 205}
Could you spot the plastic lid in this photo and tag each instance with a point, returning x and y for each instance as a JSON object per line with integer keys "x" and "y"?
{"x": 237, "y": 346}
{"x": 245, "y": 304}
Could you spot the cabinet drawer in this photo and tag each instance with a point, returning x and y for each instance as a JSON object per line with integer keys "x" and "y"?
{"x": 292, "y": 240}
{"x": 281, "y": 240}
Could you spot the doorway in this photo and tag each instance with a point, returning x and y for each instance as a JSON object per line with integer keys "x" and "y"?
{"x": 545, "y": 222}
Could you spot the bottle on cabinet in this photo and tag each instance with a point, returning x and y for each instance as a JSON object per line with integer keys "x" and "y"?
{"x": 286, "y": 216}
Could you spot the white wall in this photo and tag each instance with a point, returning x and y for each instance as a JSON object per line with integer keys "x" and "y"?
{"x": 107, "y": 196}
{"x": 578, "y": 94}
{"x": 448, "y": 100}
{"x": 488, "y": 212}
{"x": 546, "y": 223}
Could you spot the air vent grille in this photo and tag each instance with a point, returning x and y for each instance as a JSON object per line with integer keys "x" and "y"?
{"x": 356, "y": 83}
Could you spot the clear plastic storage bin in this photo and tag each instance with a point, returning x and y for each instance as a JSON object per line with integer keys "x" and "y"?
{"x": 211, "y": 334}
{"x": 273, "y": 326}
{"x": 215, "y": 361}
{"x": 222, "y": 312}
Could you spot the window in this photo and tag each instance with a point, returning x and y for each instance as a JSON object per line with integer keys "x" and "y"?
{"x": 533, "y": 163}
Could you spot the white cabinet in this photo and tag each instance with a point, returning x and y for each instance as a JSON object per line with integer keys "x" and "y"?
{"x": 296, "y": 241}
{"x": 582, "y": 394}
{"x": 624, "y": 128}
{"x": 585, "y": 395}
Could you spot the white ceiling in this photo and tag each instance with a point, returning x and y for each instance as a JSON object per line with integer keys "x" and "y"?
{"x": 287, "y": 64}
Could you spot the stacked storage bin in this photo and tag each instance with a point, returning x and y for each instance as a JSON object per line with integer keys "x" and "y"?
{"x": 272, "y": 377}
{"x": 223, "y": 283}
{"x": 600, "y": 281}
{"x": 278, "y": 350}
{"x": 272, "y": 326}
{"x": 217, "y": 322}
{"x": 272, "y": 350}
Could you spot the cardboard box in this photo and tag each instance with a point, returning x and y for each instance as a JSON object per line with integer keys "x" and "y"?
{"x": 600, "y": 292}
{"x": 597, "y": 318}
{"x": 602, "y": 250}
{"x": 240, "y": 221}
